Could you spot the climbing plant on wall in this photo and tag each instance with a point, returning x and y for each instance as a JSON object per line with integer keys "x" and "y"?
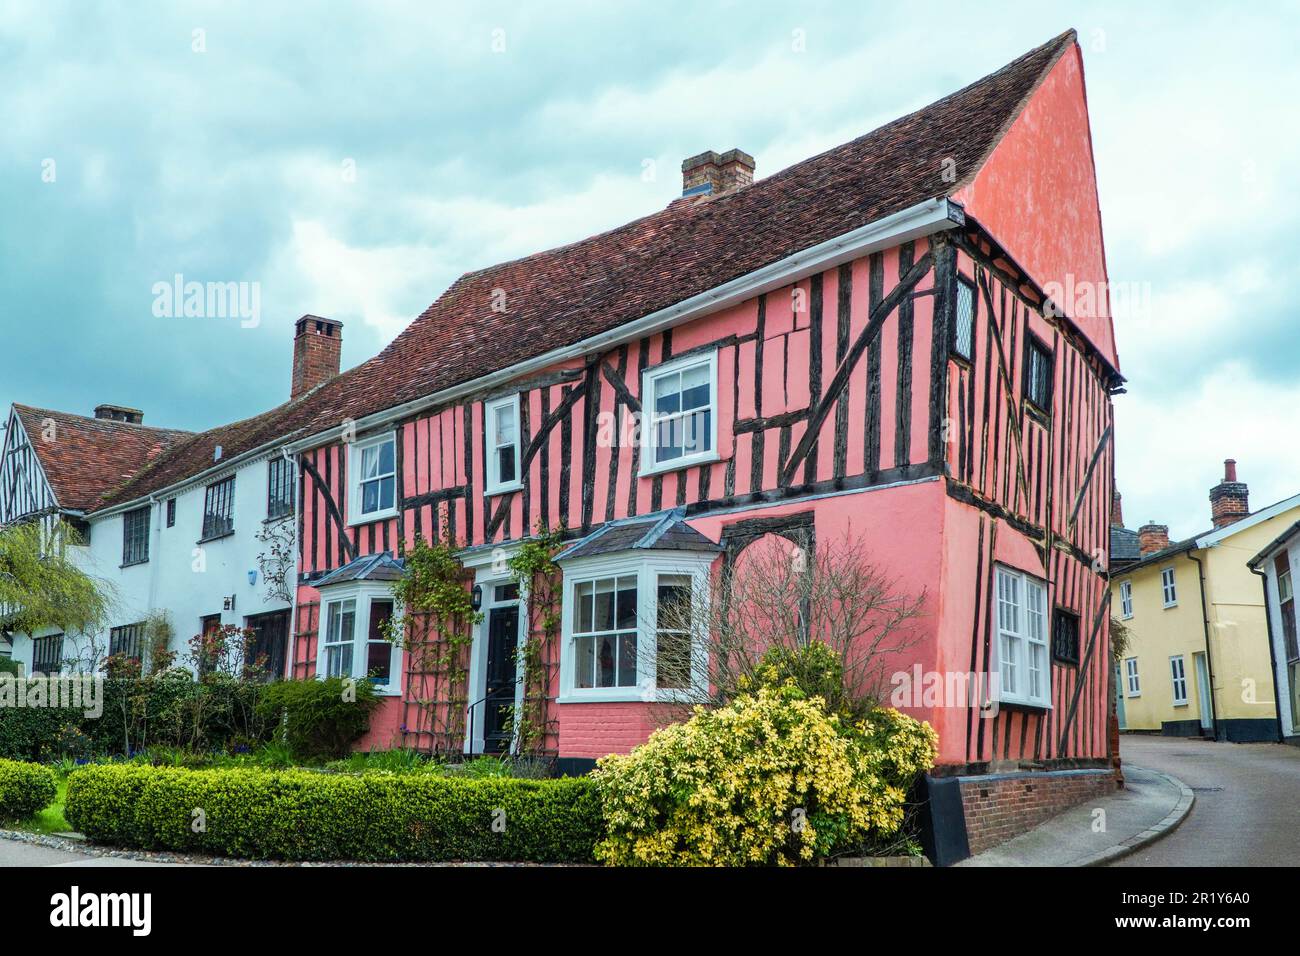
{"x": 539, "y": 577}
{"x": 437, "y": 632}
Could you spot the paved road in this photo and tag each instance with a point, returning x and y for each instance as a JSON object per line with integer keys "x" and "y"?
{"x": 1247, "y": 810}
{"x": 16, "y": 853}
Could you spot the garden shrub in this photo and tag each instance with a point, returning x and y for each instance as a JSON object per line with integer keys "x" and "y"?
{"x": 769, "y": 779}
{"x": 321, "y": 718}
{"x": 25, "y": 789}
{"x": 33, "y": 733}
{"x": 305, "y": 815}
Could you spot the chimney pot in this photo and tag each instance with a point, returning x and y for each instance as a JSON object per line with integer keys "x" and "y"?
{"x": 1117, "y": 509}
{"x": 1152, "y": 537}
{"x": 317, "y": 351}
{"x": 1230, "y": 498}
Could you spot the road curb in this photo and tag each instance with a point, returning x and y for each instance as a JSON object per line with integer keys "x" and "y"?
{"x": 1150, "y": 835}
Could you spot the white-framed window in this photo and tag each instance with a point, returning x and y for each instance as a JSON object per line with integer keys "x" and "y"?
{"x": 1023, "y": 669}
{"x": 1178, "y": 673}
{"x": 501, "y": 436}
{"x": 1168, "y": 586}
{"x": 353, "y": 638}
{"x": 1126, "y": 599}
{"x": 679, "y": 408}
{"x": 1131, "y": 676}
{"x": 372, "y": 479}
{"x": 626, "y": 637}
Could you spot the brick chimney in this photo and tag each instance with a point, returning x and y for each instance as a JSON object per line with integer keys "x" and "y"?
{"x": 1117, "y": 509}
{"x": 317, "y": 349}
{"x": 710, "y": 173}
{"x": 1229, "y": 499}
{"x": 1153, "y": 537}
{"x": 119, "y": 413}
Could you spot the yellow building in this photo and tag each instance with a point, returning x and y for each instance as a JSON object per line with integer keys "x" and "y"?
{"x": 1199, "y": 661}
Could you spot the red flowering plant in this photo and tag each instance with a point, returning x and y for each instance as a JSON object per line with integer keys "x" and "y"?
{"x": 223, "y": 650}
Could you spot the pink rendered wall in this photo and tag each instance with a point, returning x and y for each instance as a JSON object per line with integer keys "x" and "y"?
{"x": 1037, "y": 195}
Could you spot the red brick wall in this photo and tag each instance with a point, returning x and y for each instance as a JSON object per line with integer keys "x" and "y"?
{"x": 999, "y": 807}
{"x": 316, "y": 358}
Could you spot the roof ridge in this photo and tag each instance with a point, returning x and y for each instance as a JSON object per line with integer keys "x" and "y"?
{"x": 107, "y": 422}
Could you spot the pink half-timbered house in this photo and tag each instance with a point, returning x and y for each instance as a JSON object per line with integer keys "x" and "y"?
{"x": 876, "y": 339}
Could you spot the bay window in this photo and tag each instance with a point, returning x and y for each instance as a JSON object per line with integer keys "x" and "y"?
{"x": 353, "y": 640}
{"x": 1022, "y": 658}
{"x": 628, "y": 626}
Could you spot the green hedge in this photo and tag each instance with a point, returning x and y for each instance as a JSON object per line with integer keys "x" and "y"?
{"x": 25, "y": 789}
{"x": 301, "y": 815}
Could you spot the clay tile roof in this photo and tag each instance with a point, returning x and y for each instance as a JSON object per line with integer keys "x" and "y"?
{"x": 87, "y": 458}
{"x": 564, "y": 295}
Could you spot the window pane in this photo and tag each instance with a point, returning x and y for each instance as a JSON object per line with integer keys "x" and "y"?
{"x": 627, "y": 612}
{"x": 695, "y": 387}
{"x": 606, "y": 660}
{"x": 604, "y": 620}
{"x": 668, "y": 440}
{"x": 583, "y": 672}
{"x": 1008, "y": 661}
{"x": 386, "y": 454}
{"x": 379, "y": 661}
{"x": 964, "y": 334}
{"x": 667, "y": 389}
{"x": 369, "y": 497}
{"x": 583, "y": 596}
{"x": 369, "y": 462}
{"x": 506, "y": 463}
{"x": 386, "y": 488}
{"x": 627, "y": 660}
{"x": 505, "y": 424}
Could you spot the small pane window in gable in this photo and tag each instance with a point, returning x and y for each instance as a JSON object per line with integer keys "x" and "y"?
{"x": 1038, "y": 374}
{"x": 135, "y": 536}
{"x": 219, "y": 509}
{"x": 963, "y": 331}
{"x": 502, "y": 439}
{"x": 682, "y": 414}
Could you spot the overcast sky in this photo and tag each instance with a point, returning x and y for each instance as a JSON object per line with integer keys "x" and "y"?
{"x": 352, "y": 159}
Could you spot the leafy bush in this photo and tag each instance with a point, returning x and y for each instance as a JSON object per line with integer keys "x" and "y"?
{"x": 770, "y": 779}
{"x": 32, "y": 733}
{"x": 321, "y": 718}
{"x": 25, "y": 789}
{"x": 9, "y": 666}
{"x": 304, "y": 815}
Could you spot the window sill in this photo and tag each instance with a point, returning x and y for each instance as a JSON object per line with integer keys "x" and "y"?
{"x": 372, "y": 517}
{"x": 1037, "y": 414}
{"x": 278, "y": 518}
{"x": 503, "y": 489}
{"x": 677, "y": 464}
{"x": 1180, "y": 703}
{"x": 1134, "y": 696}
{"x": 622, "y": 696}
{"x": 133, "y": 564}
{"x": 1023, "y": 705}
{"x": 216, "y": 537}
{"x": 1168, "y": 606}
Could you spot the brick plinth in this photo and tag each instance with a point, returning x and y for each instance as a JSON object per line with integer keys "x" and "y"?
{"x": 1001, "y": 806}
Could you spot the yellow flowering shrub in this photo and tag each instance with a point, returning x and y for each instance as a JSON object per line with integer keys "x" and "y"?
{"x": 769, "y": 779}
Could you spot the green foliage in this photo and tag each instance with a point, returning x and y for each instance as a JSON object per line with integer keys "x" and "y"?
{"x": 40, "y": 587}
{"x": 301, "y": 815}
{"x": 25, "y": 789}
{"x": 170, "y": 709}
{"x": 813, "y": 668}
{"x": 769, "y": 779}
{"x": 321, "y": 719}
{"x": 8, "y": 666}
{"x": 534, "y": 568}
{"x": 435, "y": 583}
